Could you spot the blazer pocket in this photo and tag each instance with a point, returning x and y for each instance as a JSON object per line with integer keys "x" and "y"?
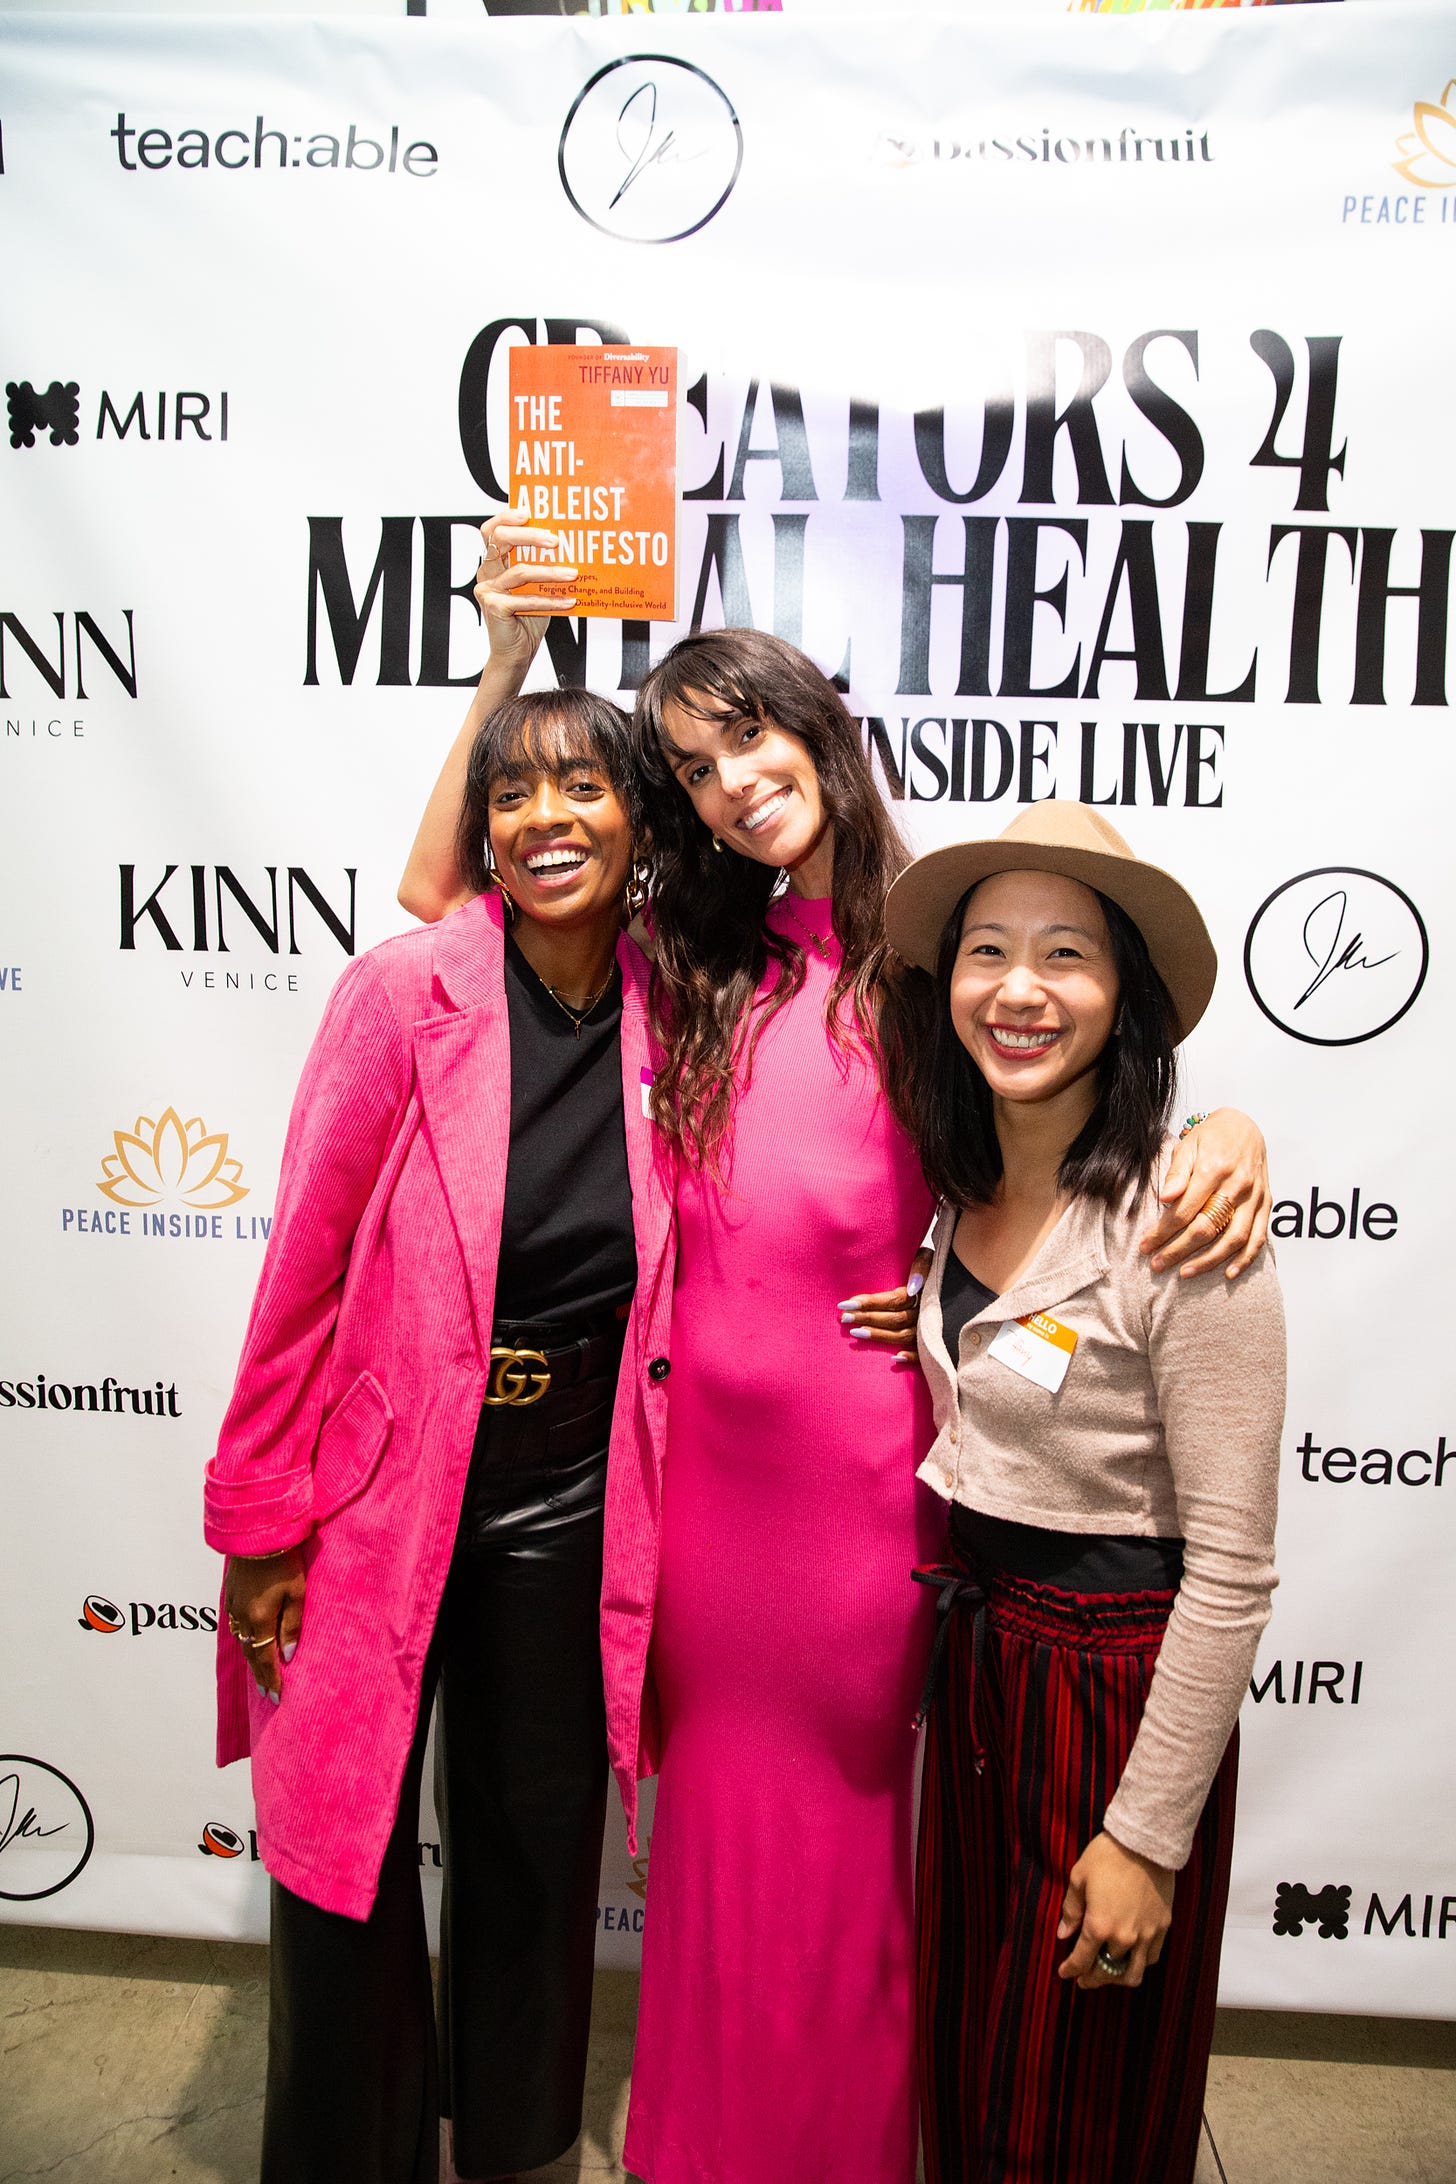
{"x": 351, "y": 1442}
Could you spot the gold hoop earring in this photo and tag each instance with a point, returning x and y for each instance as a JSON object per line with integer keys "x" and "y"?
{"x": 718, "y": 844}
{"x": 508, "y": 901}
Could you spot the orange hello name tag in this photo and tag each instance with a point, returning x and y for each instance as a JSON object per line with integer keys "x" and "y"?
{"x": 1036, "y": 1346}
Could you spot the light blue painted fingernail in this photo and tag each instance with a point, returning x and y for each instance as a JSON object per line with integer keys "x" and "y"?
{"x": 915, "y": 1284}
{"x": 288, "y": 1651}
{"x": 846, "y": 1304}
{"x": 859, "y": 1334}
{"x": 274, "y": 1697}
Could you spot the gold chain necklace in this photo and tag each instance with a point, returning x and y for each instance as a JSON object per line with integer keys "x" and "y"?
{"x": 578, "y": 1016}
{"x": 809, "y": 934}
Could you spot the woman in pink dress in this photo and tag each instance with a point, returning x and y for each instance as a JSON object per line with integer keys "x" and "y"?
{"x": 787, "y": 1649}
{"x": 761, "y": 1643}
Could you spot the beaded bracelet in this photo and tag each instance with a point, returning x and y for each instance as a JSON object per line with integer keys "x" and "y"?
{"x": 1190, "y": 1124}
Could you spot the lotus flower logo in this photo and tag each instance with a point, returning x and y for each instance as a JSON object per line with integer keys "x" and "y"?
{"x": 171, "y": 1161}
{"x": 1430, "y": 148}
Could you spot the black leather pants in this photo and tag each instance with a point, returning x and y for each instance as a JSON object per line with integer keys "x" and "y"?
{"x": 356, "y": 2079}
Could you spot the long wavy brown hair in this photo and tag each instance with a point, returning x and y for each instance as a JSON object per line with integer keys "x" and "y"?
{"x": 714, "y": 945}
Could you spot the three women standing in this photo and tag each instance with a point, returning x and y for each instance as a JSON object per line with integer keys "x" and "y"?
{"x": 760, "y": 1641}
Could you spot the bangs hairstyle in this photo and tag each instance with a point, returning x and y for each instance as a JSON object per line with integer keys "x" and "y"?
{"x": 551, "y": 732}
{"x": 713, "y": 946}
{"x": 954, "y": 1125}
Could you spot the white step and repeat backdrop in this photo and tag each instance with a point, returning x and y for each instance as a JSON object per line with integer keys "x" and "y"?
{"x": 1081, "y": 389}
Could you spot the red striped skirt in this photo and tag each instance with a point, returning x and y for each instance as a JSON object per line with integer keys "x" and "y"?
{"x": 1024, "y": 2078}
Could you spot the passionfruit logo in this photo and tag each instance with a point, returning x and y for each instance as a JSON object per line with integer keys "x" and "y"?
{"x": 171, "y": 1162}
{"x": 98, "y": 1613}
{"x": 221, "y": 1842}
{"x": 1428, "y": 151}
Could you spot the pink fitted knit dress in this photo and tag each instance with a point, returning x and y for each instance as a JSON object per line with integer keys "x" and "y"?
{"x": 775, "y": 2040}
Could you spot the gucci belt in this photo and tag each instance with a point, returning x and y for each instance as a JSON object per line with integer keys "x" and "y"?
{"x": 517, "y": 1377}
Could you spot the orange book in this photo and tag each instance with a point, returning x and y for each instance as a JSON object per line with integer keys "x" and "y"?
{"x": 594, "y": 457}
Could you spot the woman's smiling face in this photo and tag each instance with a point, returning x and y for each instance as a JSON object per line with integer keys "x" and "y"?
{"x": 1034, "y": 988}
{"x": 561, "y": 840}
{"x": 753, "y": 785}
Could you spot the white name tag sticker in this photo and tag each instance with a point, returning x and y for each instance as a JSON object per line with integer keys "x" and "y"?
{"x": 647, "y": 1082}
{"x": 1037, "y": 1347}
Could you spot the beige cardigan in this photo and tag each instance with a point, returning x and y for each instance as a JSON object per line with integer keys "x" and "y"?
{"x": 1168, "y": 1424}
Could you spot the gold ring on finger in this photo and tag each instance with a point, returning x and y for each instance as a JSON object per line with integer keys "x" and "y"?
{"x": 1219, "y": 1211}
{"x": 255, "y": 1643}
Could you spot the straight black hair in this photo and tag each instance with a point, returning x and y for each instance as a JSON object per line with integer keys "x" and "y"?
{"x": 546, "y": 731}
{"x": 945, "y": 1102}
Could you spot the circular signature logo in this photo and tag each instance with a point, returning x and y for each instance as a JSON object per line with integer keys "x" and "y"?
{"x": 1336, "y": 956}
{"x": 46, "y": 1832}
{"x": 650, "y": 150}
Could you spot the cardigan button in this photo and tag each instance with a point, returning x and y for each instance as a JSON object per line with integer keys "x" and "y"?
{"x": 659, "y": 1368}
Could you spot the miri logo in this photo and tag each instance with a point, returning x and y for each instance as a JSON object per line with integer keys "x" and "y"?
{"x": 160, "y": 418}
{"x": 169, "y": 1179}
{"x": 1329, "y": 1909}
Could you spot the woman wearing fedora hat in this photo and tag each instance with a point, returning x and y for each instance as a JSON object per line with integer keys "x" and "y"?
{"x": 1108, "y": 1443}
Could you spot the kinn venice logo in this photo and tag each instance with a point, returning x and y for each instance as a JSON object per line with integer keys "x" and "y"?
{"x": 171, "y": 1162}
{"x": 1336, "y": 956}
{"x": 1428, "y": 150}
{"x": 650, "y": 150}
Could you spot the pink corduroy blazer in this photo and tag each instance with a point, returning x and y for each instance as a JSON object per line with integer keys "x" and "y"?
{"x": 363, "y": 1369}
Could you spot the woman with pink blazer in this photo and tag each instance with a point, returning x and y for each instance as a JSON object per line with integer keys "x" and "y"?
{"x": 472, "y": 1229}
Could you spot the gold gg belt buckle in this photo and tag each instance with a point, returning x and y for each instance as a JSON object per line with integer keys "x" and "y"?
{"x": 512, "y": 1382}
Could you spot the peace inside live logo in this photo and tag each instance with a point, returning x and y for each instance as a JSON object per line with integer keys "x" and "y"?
{"x": 1336, "y": 956}
{"x": 650, "y": 149}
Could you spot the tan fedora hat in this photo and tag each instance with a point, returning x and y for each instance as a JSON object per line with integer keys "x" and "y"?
{"x": 1078, "y": 843}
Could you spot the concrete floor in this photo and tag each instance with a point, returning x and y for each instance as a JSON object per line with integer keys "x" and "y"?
{"x": 130, "y": 2060}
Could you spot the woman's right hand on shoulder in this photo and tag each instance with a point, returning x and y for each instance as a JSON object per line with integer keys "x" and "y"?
{"x": 264, "y": 1602}
{"x": 512, "y": 605}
